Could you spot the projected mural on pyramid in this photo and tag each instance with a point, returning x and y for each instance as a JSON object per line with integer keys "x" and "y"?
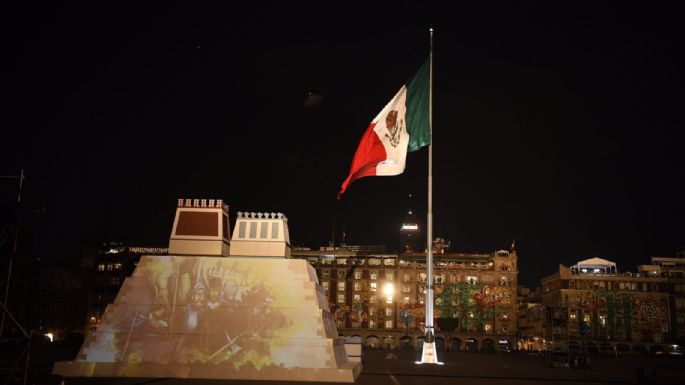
{"x": 253, "y": 315}
{"x": 208, "y": 310}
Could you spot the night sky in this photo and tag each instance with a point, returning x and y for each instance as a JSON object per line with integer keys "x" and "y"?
{"x": 559, "y": 125}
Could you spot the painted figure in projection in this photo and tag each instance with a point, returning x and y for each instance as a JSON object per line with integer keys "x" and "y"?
{"x": 196, "y": 300}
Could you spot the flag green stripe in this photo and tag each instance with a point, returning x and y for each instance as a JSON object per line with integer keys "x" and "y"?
{"x": 417, "y": 109}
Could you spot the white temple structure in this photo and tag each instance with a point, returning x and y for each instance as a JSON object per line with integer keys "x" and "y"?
{"x": 214, "y": 310}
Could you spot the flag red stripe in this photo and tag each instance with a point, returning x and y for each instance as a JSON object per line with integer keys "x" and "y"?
{"x": 369, "y": 153}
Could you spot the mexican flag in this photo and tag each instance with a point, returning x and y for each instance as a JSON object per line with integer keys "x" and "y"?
{"x": 400, "y": 127}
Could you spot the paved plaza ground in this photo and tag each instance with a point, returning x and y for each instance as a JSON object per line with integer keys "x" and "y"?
{"x": 396, "y": 367}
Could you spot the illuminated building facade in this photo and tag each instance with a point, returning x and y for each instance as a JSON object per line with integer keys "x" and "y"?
{"x": 410, "y": 232}
{"x": 673, "y": 269}
{"x": 532, "y": 320}
{"x": 380, "y": 296}
{"x": 105, "y": 273}
{"x": 51, "y": 305}
{"x": 592, "y": 306}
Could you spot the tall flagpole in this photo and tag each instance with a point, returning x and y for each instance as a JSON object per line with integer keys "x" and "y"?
{"x": 429, "y": 353}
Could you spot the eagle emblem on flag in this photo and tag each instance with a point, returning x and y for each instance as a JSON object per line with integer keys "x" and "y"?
{"x": 394, "y": 128}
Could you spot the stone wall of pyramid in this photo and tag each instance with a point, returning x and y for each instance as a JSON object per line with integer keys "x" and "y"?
{"x": 213, "y": 317}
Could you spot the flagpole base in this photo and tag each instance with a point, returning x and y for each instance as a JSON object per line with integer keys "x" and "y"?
{"x": 428, "y": 355}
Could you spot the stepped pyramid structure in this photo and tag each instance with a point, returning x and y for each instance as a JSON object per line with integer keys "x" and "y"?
{"x": 218, "y": 310}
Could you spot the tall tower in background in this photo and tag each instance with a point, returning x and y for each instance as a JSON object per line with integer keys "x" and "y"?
{"x": 410, "y": 240}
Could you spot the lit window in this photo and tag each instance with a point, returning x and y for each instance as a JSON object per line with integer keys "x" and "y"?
{"x": 341, "y": 261}
{"x": 406, "y": 288}
{"x": 389, "y": 261}
{"x": 117, "y": 266}
{"x": 372, "y": 311}
{"x": 406, "y": 300}
{"x": 101, "y": 267}
{"x": 572, "y": 316}
{"x": 357, "y": 298}
{"x": 389, "y": 275}
{"x": 325, "y": 284}
{"x": 374, "y": 286}
{"x": 407, "y": 277}
{"x": 388, "y": 324}
{"x": 388, "y": 311}
{"x": 372, "y": 324}
{"x": 325, "y": 274}
{"x": 341, "y": 286}
{"x": 357, "y": 286}
{"x": 357, "y": 275}
{"x": 488, "y": 327}
{"x": 341, "y": 298}
{"x": 374, "y": 275}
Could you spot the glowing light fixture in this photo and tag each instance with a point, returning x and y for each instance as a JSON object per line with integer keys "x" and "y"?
{"x": 50, "y": 336}
{"x": 389, "y": 289}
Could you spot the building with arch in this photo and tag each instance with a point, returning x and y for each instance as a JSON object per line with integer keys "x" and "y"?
{"x": 380, "y": 296}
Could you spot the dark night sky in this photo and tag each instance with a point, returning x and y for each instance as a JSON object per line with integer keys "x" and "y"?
{"x": 560, "y": 125}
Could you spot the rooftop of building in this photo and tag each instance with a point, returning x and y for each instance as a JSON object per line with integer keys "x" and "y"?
{"x": 379, "y": 252}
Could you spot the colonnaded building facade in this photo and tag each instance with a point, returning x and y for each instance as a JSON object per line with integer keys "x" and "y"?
{"x": 379, "y": 296}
